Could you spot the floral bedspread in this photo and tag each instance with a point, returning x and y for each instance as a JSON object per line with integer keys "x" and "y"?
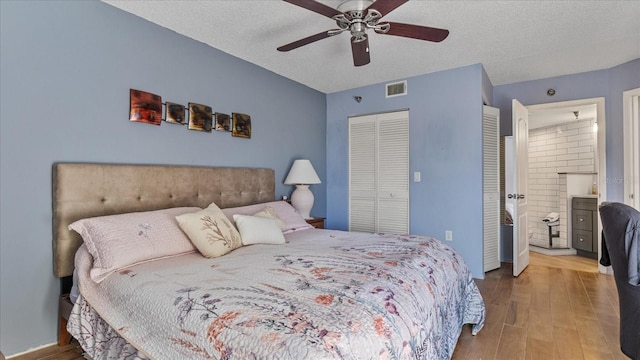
{"x": 323, "y": 295}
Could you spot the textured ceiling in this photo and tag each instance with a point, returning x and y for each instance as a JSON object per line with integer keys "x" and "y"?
{"x": 514, "y": 40}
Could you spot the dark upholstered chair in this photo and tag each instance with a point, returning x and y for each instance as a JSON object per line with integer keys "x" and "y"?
{"x": 621, "y": 235}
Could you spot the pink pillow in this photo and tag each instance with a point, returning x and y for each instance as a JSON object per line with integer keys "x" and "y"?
{"x": 289, "y": 216}
{"x": 120, "y": 241}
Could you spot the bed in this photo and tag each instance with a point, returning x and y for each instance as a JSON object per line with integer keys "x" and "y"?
{"x": 317, "y": 294}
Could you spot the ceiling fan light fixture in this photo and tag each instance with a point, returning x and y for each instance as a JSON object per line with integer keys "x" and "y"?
{"x": 354, "y": 5}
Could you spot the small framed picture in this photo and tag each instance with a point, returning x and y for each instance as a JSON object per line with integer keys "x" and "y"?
{"x": 145, "y": 107}
{"x": 174, "y": 113}
{"x": 200, "y": 117}
{"x": 223, "y": 122}
{"x": 241, "y": 125}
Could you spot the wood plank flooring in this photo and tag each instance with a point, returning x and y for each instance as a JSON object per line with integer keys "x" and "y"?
{"x": 559, "y": 308}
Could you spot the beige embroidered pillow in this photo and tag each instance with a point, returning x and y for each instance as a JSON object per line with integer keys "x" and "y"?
{"x": 270, "y": 213}
{"x": 210, "y": 231}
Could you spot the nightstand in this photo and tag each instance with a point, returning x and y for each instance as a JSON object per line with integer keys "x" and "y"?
{"x": 317, "y": 223}
{"x": 64, "y": 311}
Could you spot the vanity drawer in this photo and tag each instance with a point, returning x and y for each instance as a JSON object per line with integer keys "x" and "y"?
{"x": 581, "y": 203}
{"x": 583, "y": 240}
{"x": 582, "y": 220}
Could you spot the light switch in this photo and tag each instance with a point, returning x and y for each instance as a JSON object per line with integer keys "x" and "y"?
{"x": 416, "y": 176}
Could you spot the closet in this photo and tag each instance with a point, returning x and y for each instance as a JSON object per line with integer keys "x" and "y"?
{"x": 379, "y": 173}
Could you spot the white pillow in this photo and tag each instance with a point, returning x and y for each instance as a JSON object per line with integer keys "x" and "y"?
{"x": 289, "y": 216}
{"x": 119, "y": 241}
{"x": 258, "y": 230}
{"x": 210, "y": 231}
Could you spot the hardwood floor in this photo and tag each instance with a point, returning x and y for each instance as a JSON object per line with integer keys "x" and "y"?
{"x": 559, "y": 308}
{"x": 577, "y": 263}
{"x": 55, "y": 352}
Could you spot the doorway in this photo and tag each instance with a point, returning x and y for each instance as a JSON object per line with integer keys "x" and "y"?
{"x": 593, "y": 109}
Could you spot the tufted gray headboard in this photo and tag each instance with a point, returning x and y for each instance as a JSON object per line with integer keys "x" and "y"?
{"x": 83, "y": 190}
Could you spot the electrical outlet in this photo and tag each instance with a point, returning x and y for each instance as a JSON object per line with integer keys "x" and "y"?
{"x": 448, "y": 235}
{"x": 417, "y": 176}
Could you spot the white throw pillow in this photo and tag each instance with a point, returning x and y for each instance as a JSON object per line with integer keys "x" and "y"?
{"x": 258, "y": 230}
{"x": 289, "y": 216}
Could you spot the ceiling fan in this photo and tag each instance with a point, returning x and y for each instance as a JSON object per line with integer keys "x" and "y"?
{"x": 356, "y": 16}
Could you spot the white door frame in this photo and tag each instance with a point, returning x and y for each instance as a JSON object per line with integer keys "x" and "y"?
{"x": 601, "y": 160}
{"x": 631, "y": 124}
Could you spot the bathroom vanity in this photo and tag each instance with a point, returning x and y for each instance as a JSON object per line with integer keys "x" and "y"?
{"x": 584, "y": 225}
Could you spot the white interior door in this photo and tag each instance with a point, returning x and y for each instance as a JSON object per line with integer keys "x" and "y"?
{"x": 362, "y": 173}
{"x": 631, "y": 133}
{"x": 520, "y": 121}
{"x": 392, "y": 207}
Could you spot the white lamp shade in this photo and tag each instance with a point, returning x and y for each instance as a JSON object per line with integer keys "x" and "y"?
{"x": 302, "y": 172}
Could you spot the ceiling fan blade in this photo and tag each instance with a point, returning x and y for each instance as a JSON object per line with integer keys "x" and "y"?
{"x": 360, "y": 50}
{"x": 305, "y": 41}
{"x": 416, "y": 32}
{"x": 386, "y": 6}
{"x": 315, "y": 6}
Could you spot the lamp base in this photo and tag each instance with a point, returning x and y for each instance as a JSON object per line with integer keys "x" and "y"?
{"x": 302, "y": 200}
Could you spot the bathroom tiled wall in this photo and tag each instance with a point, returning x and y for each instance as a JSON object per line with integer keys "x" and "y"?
{"x": 567, "y": 148}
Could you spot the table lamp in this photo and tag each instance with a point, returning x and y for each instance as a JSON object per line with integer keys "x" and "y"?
{"x": 301, "y": 175}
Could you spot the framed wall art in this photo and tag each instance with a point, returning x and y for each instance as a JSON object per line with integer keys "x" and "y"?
{"x": 241, "y": 125}
{"x": 174, "y": 113}
{"x": 145, "y": 107}
{"x": 200, "y": 117}
{"x": 223, "y": 122}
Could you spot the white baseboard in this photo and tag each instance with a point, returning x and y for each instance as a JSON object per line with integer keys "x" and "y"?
{"x": 31, "y": 350}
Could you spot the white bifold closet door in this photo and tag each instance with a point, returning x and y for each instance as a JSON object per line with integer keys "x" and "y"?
{"x": 379, "y": 173}
{"x": 491, "y": 187}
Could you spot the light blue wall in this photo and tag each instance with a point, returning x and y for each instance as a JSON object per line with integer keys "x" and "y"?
{"x": 608, "y": 83}
{"x": 445, "y": 146}
{"x": 66, "y": 71}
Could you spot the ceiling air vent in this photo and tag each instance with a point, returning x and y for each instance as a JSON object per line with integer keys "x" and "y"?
{"x": 397, "y": 89}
